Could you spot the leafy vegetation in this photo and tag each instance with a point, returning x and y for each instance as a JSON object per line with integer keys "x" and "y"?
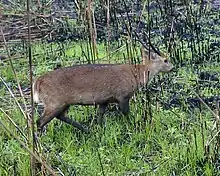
{"x": 169, "y": 131}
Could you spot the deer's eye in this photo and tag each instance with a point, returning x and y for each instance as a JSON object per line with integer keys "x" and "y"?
{"x": 165, "y": 61}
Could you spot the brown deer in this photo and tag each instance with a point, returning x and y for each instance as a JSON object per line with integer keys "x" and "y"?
{"x": 94, "y": 84}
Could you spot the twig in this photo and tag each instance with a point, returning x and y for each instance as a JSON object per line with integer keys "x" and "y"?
{"x": 209, "y": 141}
{"x": 15, "y": 74}
{"x": 108, "y": 29}
{"x": 215, "y": 123}
{"x": 27, "y": 149}
{"x": 34, "y": 145}
{"x": 16, "y": 126}
{"x": 213, "y": 113}
{"x": 11, "y": 93}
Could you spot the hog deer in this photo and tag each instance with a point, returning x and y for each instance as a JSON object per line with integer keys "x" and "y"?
{"x": 94, "y": 84}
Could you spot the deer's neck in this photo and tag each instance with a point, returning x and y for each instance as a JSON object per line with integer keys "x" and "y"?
{"x": 143, "y": 74}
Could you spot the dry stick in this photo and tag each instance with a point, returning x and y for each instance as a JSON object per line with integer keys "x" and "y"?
{"x": 77, "y": 6}
{"x": 27, "y": 149}
{"x": 11, "y": 93}
{"x": 15, "y": 74}
{"x": 214, "y": 114}
{"x": 171, "y": 30}
{"x": 89, "y": 22}
{"x": 91, "y": 29}
{"x": 209, "y": 142}
{"x": 16, "y": 126}
{"x": 34, "y": 146}
{"x": 142, "y": 12}
{"x": 108, "y": 28}
{"x": 148, "y": 72}
{"x": 137, "y": 35}
{"x": 94, "y": 30}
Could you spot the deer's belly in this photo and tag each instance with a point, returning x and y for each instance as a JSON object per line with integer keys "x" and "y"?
{"x": 88, "y": 98}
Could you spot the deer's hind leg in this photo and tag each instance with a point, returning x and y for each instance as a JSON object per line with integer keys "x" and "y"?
{"x": 67, "y": 120}
{"x": 48, "y": 114}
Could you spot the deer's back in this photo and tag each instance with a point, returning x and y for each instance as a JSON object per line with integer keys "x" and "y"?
{"x": 86, "y": 84}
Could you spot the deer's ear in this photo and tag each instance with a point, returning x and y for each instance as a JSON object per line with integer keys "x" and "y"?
{"x": 153, "y": 55}
{"x": 146, "y": 55}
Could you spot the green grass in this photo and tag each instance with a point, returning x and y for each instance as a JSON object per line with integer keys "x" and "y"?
{"x": 171, "y": 144}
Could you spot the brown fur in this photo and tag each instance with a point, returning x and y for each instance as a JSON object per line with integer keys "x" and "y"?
{"x": 97, "y": 84}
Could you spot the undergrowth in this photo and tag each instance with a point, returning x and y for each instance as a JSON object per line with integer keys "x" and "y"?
{"x": 167, "y": 142}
